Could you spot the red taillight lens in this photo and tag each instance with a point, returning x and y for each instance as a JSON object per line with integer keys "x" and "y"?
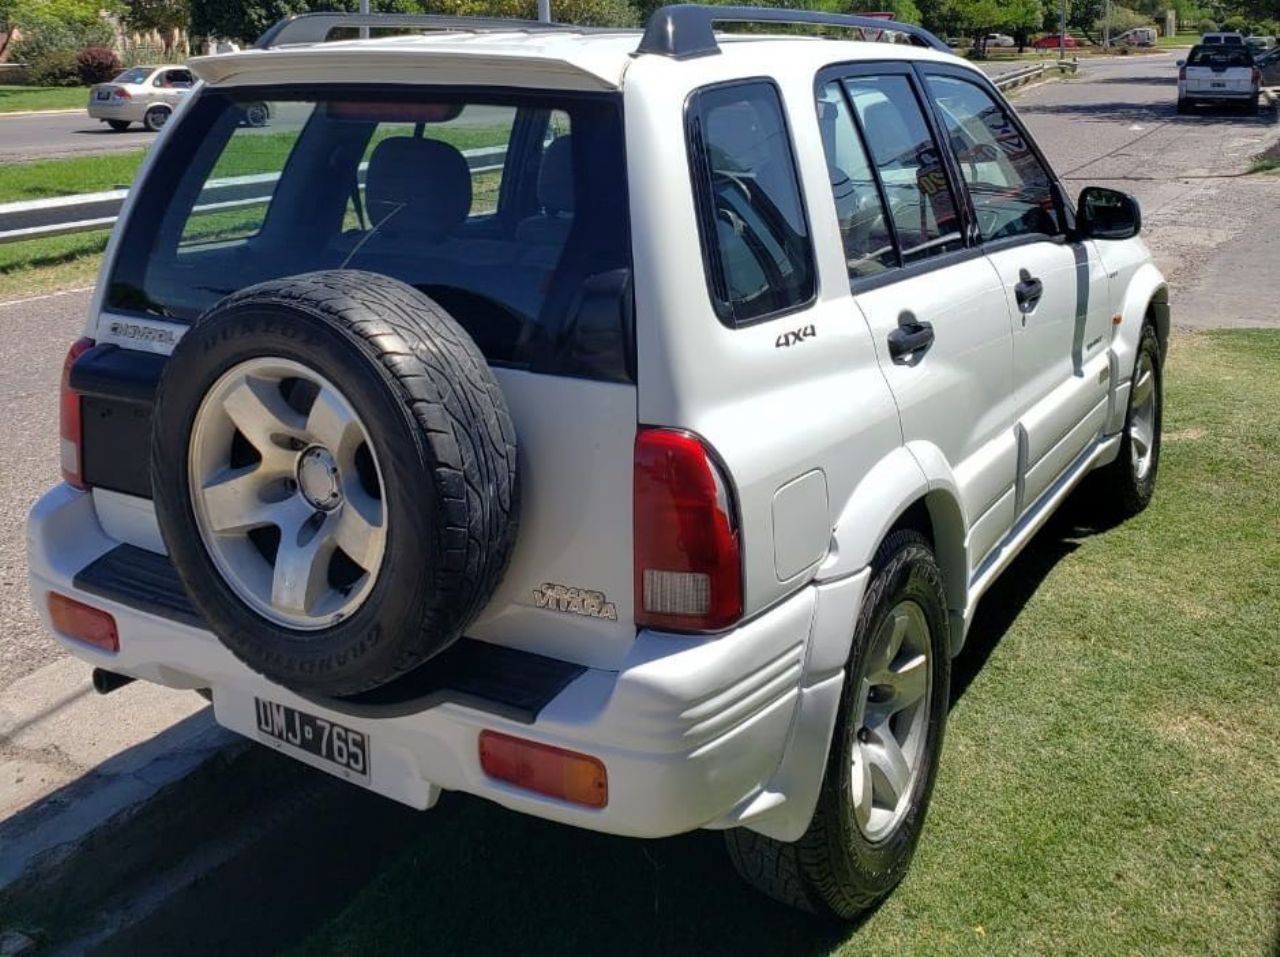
{"x": 71, "y": 426}
{"x": 122, "y": 94}
{"x": 544, "y": 769}
{"x": 77, "y": 620}
{"x": 1182, "y": 73}
{"x": 1256, "y": 76}
{"x": 688, "y": 563}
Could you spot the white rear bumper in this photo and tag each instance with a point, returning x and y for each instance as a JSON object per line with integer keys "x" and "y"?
{"x": 693, "y": 732}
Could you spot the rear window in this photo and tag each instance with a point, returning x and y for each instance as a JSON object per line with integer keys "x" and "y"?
{"x": 509, "y": 209}
{"x": 1220, "y": 56}
{"x": 138, "y": 74}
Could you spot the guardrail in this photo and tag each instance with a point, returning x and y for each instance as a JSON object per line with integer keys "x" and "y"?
{"x": 67, "y": 215}
{"x": 1014, "y": 78}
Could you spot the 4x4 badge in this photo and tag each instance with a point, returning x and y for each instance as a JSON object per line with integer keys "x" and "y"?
{"x": 576, "y": 601}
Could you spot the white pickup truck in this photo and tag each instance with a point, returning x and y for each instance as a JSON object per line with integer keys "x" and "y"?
{"x": 1218, "y": 74}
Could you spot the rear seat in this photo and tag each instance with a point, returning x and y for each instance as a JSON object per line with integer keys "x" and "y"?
{"x": 542, "y": 237}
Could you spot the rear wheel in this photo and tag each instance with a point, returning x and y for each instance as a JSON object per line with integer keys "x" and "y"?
{"x": 884, "y": 752}
{"x": 1183, "y": 105}
{"x": 155, "y": 118}
{"x": 257, "y": 114}
{"x": 119, "y": 125}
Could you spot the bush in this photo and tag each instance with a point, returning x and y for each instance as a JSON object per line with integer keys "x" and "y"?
{"x": 42, "y": 36}
{"x": 97, "y": 65}
{"x": 54, "y": 68}
{"x": 1206, "y": 26}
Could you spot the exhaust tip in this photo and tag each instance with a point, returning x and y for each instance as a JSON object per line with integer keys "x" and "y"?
{"x": 105, "y": 682}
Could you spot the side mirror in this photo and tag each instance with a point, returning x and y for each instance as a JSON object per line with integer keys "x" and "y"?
{"x": 1108, "y": 214}
{"x": 1181, "y": 63}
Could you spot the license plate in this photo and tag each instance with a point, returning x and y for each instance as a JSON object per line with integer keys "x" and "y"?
{"x": 343, "y": 747}
{"x": 1218, "y": 86}
{"x": 103, "y": 95}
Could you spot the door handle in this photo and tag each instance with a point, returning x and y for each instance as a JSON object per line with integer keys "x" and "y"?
{"x": 910, "y": 341}
{"x": 1028, "y": 292}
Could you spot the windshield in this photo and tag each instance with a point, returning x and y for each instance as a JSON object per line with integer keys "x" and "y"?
{"x": 138, "y": 74}
{"x": 509, "y": 209}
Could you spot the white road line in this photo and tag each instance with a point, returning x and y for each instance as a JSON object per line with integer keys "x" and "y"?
{"x": 48, "y": 295}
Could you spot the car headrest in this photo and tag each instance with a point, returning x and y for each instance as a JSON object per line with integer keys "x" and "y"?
{"x": 419, "y": 186}
{"x": 555, "y": 177}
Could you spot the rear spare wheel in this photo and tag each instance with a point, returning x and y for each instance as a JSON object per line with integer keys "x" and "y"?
{"x": 334, "y": 473}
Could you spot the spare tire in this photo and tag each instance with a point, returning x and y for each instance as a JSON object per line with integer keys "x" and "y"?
{"x": 334, "y": 473}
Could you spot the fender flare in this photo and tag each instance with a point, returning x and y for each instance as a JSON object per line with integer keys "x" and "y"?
{"x": 1147, "y": 293}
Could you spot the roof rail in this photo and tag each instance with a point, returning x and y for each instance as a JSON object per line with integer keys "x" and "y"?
{"x": 686, "y": 30}
{"x": 316, "y": 27}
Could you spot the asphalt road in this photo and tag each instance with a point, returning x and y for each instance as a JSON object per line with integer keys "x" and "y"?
{"x": 1212, "y": 231}
{"x": 50, "y": 135}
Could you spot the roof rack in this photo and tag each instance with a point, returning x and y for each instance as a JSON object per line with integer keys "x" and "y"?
{"x": 686, "y": 30}
{"x": 316, "y": 27}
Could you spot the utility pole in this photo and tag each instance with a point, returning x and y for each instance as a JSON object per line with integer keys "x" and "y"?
{"x": 544, "y": 11}
{"x": 1106, "y": 26}
{"x": 364, "y": 11}
{"x": 1062, "y": 29}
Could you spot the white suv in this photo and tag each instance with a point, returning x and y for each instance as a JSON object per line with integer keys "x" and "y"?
{"x": 620, "y": 428}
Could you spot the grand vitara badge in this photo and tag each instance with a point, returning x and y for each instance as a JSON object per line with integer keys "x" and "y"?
{"x": 575, "y": 601}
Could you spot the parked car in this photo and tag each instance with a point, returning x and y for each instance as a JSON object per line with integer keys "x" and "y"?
{"x": 999, "y": 40}
{"x": 1220, "y": 74}
{"x": 1259, "y": 44}
{"x": 654, "y": 490}
{"x": 1054, "y": 42}
{"x": 1136, "y": 37}
{"x": 1226, "y": 38}
{"x": 1268, "y": 65}
{"x": 141, "y": 94}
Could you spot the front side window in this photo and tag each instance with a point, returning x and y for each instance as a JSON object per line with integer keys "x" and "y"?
{"x": 1011, "y": 190}
{"x": 507, "y": 208}
{"x": 909, "y": 163}
{"x": 751, "y": 215}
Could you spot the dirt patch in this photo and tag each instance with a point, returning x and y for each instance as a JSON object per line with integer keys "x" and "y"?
{"x": 1183, "y": 435}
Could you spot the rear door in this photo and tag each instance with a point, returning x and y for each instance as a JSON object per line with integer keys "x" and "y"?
{"x": 934, "y": 305}
{"x": 1056, "y": 289}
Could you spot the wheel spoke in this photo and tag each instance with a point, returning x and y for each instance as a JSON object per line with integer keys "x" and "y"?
{"x": 887, "y": 762}
{"x": 886, "y": 646}
{"x": 331, "y": 423}
{"x": 1142, "y": 390}
{"x": 860, "y": 779}
{"x": 233, "y": 501}
{"x": 1140, "y": 435}
{"x": 260, "y": 412}
{"x": 302, "y": 569}
{"x": 358, "y": 531}
{"x": 909, "y": 682}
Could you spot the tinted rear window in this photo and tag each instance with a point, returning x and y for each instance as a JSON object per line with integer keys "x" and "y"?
{"x": 1220, "y": 56}
{"x": 509, "y": 209}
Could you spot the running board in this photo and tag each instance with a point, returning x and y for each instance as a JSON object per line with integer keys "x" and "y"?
{"x": 500, "y": 681}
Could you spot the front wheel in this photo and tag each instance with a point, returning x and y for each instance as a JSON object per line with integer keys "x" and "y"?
{"x": 1125, "y": 487}
{"x": 884, "y": 753}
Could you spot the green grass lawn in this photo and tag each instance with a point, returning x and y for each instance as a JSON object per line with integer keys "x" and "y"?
{"x": 18, "y": 99}
{"x": 1110, "y": 783}
{"x": 1178, "y": 40}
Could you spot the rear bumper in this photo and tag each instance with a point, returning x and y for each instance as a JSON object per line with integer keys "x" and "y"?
{"x": 1213, "y": 96}
{"x": 693, "y": 732}
{"x": 108, "y": 110}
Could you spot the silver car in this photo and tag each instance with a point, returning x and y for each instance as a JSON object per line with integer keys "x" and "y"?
{"x": 141, "y": 94}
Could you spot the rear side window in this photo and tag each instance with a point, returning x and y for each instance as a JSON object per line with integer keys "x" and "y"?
{"x": 508, "y": 208}
{"x": 759, "y": 259}
{"x": 909, "y": 163}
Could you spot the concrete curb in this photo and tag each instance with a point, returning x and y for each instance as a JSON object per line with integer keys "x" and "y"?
{"x": 79, "y": 109}
{"x": 72, "y": 760}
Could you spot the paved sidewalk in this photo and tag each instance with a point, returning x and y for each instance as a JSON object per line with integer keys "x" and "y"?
{"x": 71, "y": 759}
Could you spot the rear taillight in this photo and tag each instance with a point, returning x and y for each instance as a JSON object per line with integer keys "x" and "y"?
{"x": 1182, "y": 73}
{"x": 688, "y": 561}
{"x": 122, "y": 94}
{"x": 93, "y": 626}
{"x": 543, "y": 769}
{"x": 71, "y": 427}
{"x": 1256, "y": 77}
